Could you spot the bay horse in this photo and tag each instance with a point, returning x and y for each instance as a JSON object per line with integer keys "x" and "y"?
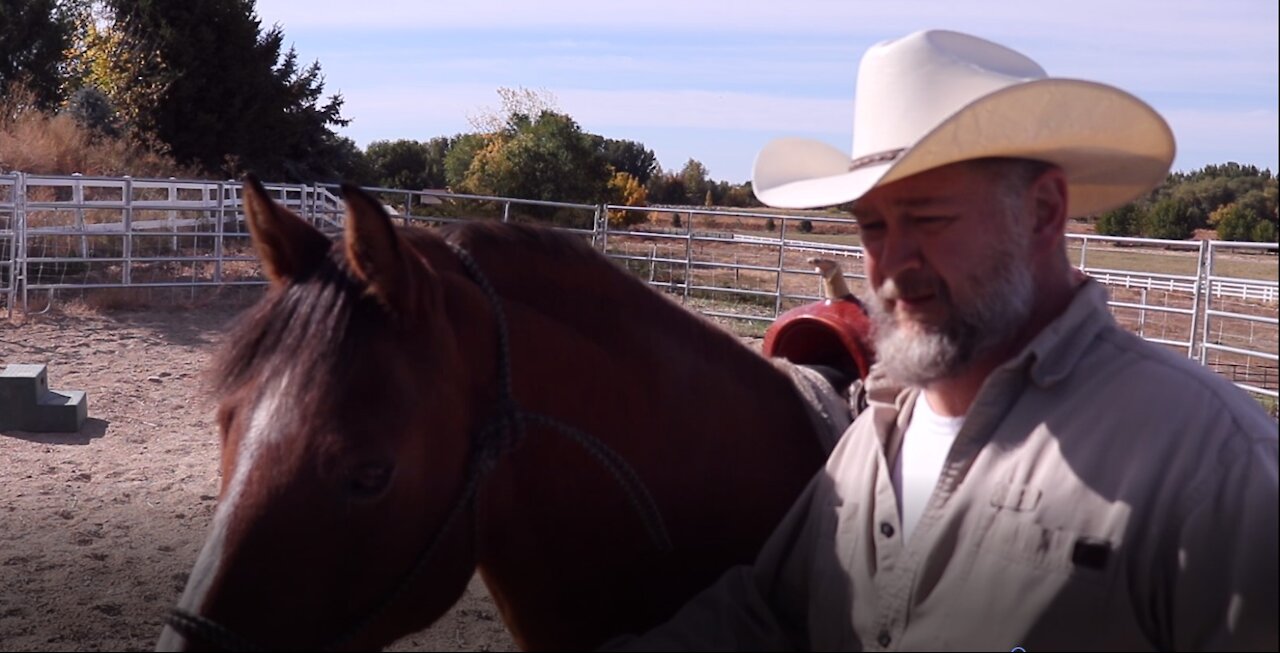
{"x": 406, "y": 406}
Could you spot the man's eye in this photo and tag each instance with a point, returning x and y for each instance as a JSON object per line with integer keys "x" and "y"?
{"x": 932, "y": 221}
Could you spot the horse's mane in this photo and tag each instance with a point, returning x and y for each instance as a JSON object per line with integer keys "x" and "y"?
{"x": 316, "y": 321}
{"x": 512, "y": 237}
{"x": 576, "y": 268}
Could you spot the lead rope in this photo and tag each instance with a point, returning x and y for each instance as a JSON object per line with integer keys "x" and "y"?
{"x": 489, "y": 446}
{"x": 207, "y": 630}
{"x": 637, "y": 494}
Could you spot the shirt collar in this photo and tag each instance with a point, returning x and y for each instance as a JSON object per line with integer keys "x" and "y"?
{"x": 1054, "y": 352}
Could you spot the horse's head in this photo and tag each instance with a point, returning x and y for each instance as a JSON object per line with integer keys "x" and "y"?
{"x": 327, "y": 392}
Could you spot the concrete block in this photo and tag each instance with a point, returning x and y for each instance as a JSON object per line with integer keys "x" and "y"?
{"x": 27, "y": 403}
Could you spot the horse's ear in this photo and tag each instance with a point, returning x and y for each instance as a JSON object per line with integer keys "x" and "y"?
{"x": 288, "y": 246}
{"x": 373, "y": 248}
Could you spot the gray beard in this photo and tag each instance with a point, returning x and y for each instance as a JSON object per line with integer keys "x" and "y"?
{"x": 920, "y": 354}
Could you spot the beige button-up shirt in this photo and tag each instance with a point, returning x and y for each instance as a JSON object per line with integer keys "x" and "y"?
{"x": 1104, "y": 493}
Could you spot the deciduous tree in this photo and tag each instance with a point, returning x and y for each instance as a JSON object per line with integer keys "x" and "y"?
{"x": 547, "y": 157}
{"x": 1122, "y": 221}
{"x": 458, "y": 159}
{"x": 1235, "y": 222}
{"x": 512, "y": 102}
{"x": 626, "y": 190}
{"x": 1170, "y": 218}
{"x": 398, "y": 164}
{"x": 666, "y": 188}
{"x": 630, "y": 157}
{"x": 694, "y": 176}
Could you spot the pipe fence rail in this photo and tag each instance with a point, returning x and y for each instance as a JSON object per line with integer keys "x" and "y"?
{"x": 1216, "y": 302}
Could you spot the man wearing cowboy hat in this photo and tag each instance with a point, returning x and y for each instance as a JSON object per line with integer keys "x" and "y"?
{"x": 1027, "y": 474}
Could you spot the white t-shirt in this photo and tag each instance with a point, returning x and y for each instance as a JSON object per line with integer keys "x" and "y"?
{"x": 924, "y": 450}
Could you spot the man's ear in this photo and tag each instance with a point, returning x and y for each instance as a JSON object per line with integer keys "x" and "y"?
{"x": 1048, "y": 202}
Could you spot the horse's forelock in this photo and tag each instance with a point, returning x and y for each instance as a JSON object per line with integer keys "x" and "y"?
{"x": 307, "y": 326}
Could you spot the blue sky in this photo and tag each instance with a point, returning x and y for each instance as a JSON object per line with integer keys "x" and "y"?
{"x": 715, "y": 80}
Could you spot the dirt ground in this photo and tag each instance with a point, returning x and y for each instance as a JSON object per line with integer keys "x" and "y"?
{"x": 98, "y": 530}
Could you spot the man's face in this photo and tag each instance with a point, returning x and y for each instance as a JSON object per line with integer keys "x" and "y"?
{"x": 947, "y": 259}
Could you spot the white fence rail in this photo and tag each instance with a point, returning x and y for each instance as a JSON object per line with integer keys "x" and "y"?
{"x": 64, "y": 233}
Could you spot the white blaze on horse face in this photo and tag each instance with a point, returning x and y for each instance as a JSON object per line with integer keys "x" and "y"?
{"x": 261, "y": 433}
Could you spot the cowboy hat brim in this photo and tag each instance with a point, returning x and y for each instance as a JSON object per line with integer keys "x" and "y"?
{"x": 1113, "y": 147}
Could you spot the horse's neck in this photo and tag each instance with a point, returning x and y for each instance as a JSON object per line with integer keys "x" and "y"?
{"x": 583, "y": 331}
{"x": 681, "y": 405}
{"x": 582, "y": 328}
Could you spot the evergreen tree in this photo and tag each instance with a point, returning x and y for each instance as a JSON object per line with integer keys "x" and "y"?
{"x": 90, "y": 107}
{"x": 347, "y": 161}
{"x": 33, "y": 36}
{"x": 204, "y": 78}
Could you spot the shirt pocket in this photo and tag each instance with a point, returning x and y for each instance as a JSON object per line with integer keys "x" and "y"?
{"x": 1046, "y": 587}
{"x": 1043, "y": 579}
{"x": 1087, "y": 557}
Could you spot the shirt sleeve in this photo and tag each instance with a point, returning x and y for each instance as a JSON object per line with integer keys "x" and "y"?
{"x": 757, "y": 607}
{"x": 1225, "y": 592}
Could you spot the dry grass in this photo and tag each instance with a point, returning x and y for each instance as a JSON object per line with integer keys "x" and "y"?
{"x": 1255, "y": 265}
{"x": 36, "y": 142}
{"x": 1242, "y": 265}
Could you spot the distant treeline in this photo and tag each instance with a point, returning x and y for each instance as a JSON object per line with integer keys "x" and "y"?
{"x": 1238, "y": 201}
{"x": 160, "y": 88}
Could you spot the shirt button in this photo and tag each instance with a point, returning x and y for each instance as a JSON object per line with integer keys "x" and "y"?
{"x": 884, "y": 639}
{"x": 886, "y": 529}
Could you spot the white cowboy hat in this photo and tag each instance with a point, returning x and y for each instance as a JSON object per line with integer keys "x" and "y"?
{"x": 938, "y": 97}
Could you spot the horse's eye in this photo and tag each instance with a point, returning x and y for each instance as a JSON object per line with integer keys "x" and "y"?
{"x": 369, "y": 480}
